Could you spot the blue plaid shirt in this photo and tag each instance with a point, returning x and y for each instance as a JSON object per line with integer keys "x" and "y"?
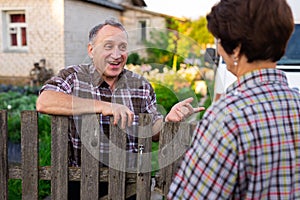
{"x": 247, "y": 145}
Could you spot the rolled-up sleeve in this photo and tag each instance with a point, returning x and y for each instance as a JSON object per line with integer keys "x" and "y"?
{"x": 63, "y": 82}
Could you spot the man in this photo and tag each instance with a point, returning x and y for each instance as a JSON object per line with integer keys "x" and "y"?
{"x": 106, "y": 88}
{"x": 247, "y": 144}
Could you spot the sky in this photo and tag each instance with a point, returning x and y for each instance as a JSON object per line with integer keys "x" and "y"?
{"x": 192, "y": 9}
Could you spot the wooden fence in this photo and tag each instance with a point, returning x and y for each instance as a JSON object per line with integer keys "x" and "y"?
{"x": 174, "y": 138}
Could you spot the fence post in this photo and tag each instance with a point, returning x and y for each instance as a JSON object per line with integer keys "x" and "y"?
{"x": 3, "y": 156}
{"x": 90, "y": 151}
{"x": 29, "y": 146}
{"x": 117, "y": 163}
{"x": 143, "y": 181}
{"x": 59, "y": 157}
{"x": 174, "y": 140}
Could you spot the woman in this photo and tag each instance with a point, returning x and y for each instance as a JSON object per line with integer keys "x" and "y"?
{"x": 247, "y": 143}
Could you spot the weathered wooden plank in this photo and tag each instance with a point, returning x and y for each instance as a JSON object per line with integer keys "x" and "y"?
{"x": 174, "y": 140}
{"x": 15, "y": 172}
{"x": 29, "y": 147}
{"x": 166, "y": 154}
{"x": 59, "y": 158}
{"x": 3, "y": 156}
{"x": 143, "y": 190}
{"x": 90, "y": 155}
{"x": 130, "y": 190}
{"x": 182, "y": 139}
{"x": 117, "y": 163}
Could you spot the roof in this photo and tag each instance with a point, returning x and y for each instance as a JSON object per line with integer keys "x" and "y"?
{"x": 130, "y": 7}
{"x": 107, "y": 4}
{"x": 140, "y": 3}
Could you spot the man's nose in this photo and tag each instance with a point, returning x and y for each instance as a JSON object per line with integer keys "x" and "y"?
{"x": 116, "y": 53}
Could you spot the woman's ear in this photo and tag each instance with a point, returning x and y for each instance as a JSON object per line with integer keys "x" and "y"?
{"x": 90, "y": 50}
{"x": 236, "y": 51}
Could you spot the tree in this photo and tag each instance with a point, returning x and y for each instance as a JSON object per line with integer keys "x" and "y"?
{"x": 198, "y": 31}
{"x": 182, "y": 39}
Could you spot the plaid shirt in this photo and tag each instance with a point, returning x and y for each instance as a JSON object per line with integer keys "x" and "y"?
{"x": 84, "y": 81}
{"x": 248, "y": 144}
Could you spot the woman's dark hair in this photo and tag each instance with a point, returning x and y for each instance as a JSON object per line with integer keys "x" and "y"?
{"x": 261, "y": 27}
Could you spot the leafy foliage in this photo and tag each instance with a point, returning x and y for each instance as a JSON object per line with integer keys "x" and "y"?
{"x": 182, "y": 42}
{"x": 158, "y": 48}
{"x": 165, "y": 97}
{"x": 197, "y": 30}
{"x": 134, "y": 59}
{"x": 15, "y": 100}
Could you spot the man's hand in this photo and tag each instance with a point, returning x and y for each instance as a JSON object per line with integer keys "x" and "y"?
{"x": 59, "y": 103}
{"x": 119, "y": 112}
{"x": 182, "y": 110}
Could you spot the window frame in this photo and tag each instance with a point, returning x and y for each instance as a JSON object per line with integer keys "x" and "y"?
{"x": 8, "y": 27}
{"x": 143, "y": 30}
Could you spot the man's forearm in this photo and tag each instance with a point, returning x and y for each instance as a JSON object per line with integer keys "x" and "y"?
{"x": 58, "y": 103}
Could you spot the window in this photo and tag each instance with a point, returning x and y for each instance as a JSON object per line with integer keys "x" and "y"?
{"x": 15, "y": 30}
{"x": 142, "y": 26}
{"x": 292, "y": 52}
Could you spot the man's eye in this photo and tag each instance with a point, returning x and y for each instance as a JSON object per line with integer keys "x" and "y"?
{"x": 108, "y": 46}
{"x": 123, "y": 47}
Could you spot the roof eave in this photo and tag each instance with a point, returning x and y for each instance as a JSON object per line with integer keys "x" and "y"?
{"x": 107, "y": 4}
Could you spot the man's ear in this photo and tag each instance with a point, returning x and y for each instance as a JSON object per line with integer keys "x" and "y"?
{"x": 90, "y": 50}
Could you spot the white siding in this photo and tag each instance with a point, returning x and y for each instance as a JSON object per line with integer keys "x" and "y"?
{"x": 80, "y": 17}
{"x": 44, "y": 36}
{"x": 131, "y": 19}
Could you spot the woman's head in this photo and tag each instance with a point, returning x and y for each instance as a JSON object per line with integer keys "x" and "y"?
{"x": 261, "y": 27}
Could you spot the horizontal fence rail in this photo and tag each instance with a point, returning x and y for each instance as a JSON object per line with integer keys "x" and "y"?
{"x": 122, "y": 183}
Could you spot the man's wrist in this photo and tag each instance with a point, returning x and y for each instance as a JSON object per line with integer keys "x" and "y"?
{"x": 166, "y": 119}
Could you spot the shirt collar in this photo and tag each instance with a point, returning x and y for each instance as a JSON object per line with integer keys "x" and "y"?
{"x": 258, "y": 77}
{"x": 97, "y": 79}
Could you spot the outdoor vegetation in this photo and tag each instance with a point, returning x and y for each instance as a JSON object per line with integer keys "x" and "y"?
{"x": 15, "y": 99}
{"x": 171, "y": 68}
{"x": 170, "y": 87}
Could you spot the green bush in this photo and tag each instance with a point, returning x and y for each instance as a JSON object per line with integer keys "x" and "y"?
{"x": 15, "y": 101}
{"x": 165, "y": 97}
{"x": 134, "y": 59}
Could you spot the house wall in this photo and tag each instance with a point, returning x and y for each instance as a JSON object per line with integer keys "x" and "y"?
{"x": 80, "y": 17}
{"x": 131, "y": 18}
{"x": 57, "y": 30}
{"x": 45, "y": 22}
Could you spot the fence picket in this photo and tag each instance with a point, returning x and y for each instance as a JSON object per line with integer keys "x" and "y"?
{"x": 183, "y": 138}
{"x": 143, "y": 182}
{"x": 3, "y": 156}
{"x": 117, "y": 163}
{"x": 59, "y": 158}
{"x": 29, "y": 146}
{"x": 90, "y": 150}
{"x": 173, "y": 142}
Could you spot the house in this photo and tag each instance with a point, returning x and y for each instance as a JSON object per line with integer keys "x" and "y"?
{"x": 56, "y": 31}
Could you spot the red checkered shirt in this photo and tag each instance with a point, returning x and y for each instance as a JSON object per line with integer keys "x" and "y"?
{"x": 131, "y": 90}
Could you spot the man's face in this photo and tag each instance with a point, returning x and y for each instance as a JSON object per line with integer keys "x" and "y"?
{"x": 109, "y": 51}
